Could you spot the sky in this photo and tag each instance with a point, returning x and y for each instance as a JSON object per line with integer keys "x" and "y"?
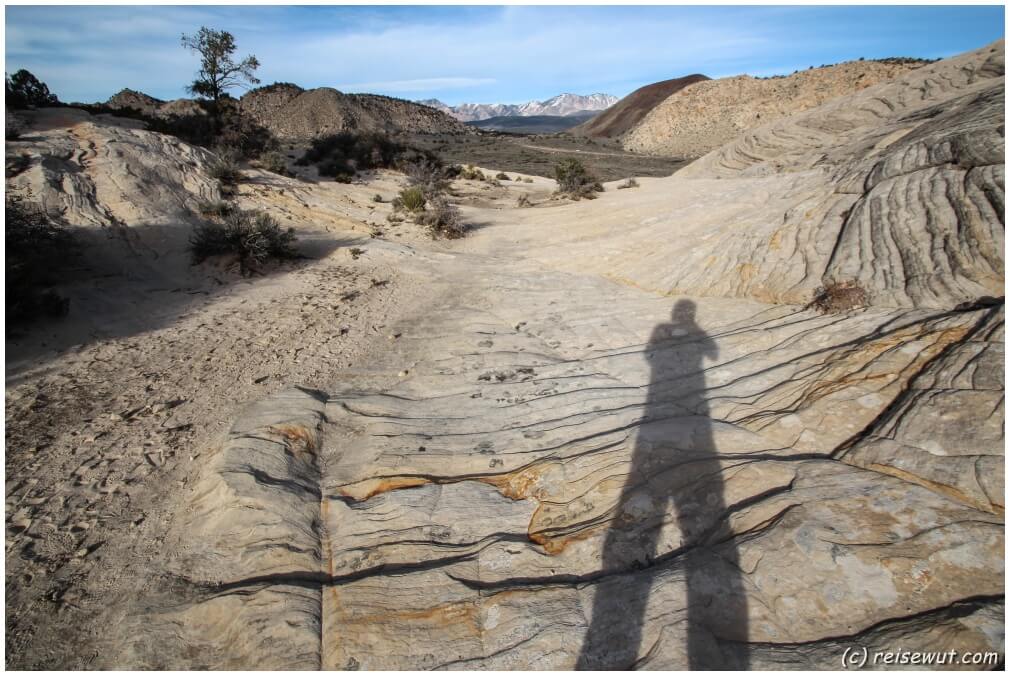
{"x": 483, "y": 54}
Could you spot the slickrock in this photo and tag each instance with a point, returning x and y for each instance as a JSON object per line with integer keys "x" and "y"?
{"x": 108, "y": 172}
{"x": 580, "y": 493}
{"x": 696, "y": 119}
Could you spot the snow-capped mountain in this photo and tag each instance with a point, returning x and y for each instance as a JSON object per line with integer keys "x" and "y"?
{"x": 561, "y": 105}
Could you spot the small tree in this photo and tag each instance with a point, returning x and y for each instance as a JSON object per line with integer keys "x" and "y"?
{"x": 24, "y": 89}
{"x": 218, "y": 70}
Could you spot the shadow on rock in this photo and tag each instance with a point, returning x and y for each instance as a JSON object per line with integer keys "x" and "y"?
{"x": 674, "y": 465}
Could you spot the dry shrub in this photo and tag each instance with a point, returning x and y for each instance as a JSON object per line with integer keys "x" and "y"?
{"x": 254, "y": 237}
{"x": 575, "y": 181}
{"x": 524, "y": 201}
{"x": 225, "y": 167}
{"x": 274, "y": 161}
{"x": 630, "y": 183}
{"x": 428, "y": 175}
{"x": 471, "y": 173}
{"x": 37, "y": 250}
{"x": 442, "y": 219}
{"x": 836, "y": 297}
{"x": 214, "y": 208}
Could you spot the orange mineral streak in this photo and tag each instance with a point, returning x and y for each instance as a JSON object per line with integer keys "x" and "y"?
{"x": 556, "y": 544}
{"x": 363, "y": 490}
{"x": 521, "y": 484}
{"x": 299, "y": 439}
{"x": 866, "y": 353}
{"x": 943, "y": 489}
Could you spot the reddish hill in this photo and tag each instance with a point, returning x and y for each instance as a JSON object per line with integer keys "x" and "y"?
{"x": 630, "y": 110}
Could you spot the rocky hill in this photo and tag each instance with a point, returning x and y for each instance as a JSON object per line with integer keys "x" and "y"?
{"x": 293, "y": 113}
{"x": 152, "y": 107}
{"x": 706, "y": 115}
{"x": 129, "y": 98}
{"x": 561, "y": 105}
{"x": 630, "y": 110}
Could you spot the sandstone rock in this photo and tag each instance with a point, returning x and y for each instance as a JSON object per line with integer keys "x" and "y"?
{"x": 707, "y": 114}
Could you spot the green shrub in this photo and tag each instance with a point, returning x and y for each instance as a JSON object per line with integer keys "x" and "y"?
{"x": 274, "y": 161}
{"x": 575, "y": 180}
{"x": 254, "y": 237}
{"x": 411, "y": 199}
{"x": 37, "y": 251}
{"x": 442, "y": 219}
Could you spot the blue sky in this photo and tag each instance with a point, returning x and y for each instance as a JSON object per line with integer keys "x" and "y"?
{"x": 480, "y": 54}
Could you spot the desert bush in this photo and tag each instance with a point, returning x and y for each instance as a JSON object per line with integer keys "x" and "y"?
{"x": 839, "y": 296}
{"x": 225, "y": 166}
{"x": 377, "y": 198}
{"x": 274, "y": 161}
{"x": 214, "y": 208}
{"x": 254, "y": 237}
{"x": 347, "y": 153}
{"x": 502, "y": 176}
{"x": 37, "y": 251}
{"x": 410, "y": 199}
{"x": 527, "y": 180}
{"x": 442, "y": 219}
{"x": 472, "y": 173}
{"x": 524, "y": 201}
{"x": 575, "y": 181}
{"x": 428, "y": 175}
{"x": 630, "y": 183}
{"x": 14, "y": 126}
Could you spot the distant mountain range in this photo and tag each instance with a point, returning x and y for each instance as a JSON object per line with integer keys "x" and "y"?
{"x": 561, "y": 105}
